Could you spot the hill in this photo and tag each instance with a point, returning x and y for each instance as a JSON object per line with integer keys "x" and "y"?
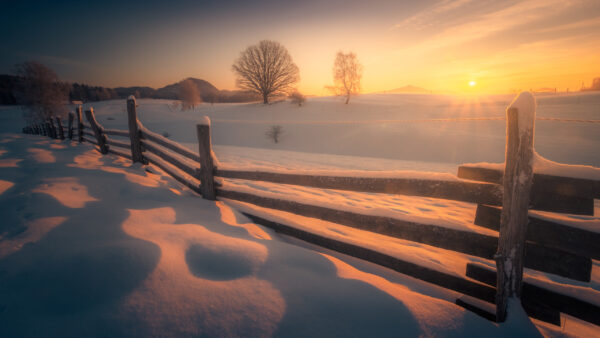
{"x": 407, "y": 89}
{"x": 11, "y": 86}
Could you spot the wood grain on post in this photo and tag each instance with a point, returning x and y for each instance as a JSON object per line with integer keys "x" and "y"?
{"x": 518, "y": 178}
{"x": 207, "y": 167}
{"x": 61, "y": 132}
{"x": 70, "y": 126}
{"x": 79, "y": 124}
{"x": 89, "y": 114}
{"x": 134, "y": 133}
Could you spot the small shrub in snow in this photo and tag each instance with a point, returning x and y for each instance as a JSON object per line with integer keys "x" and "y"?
{"x": 166, "y": 134}
{"x": 274, "y": 133}
{"x": 189, "y": 94}
{"x": 297, "y": 98}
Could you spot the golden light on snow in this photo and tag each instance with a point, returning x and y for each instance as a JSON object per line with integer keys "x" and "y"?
{"x": 67, "y": 191}
{"x": 188, "y": 295}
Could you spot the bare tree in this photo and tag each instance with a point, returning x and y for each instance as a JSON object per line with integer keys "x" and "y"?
{"x": 297, "y": 98}
{"x": 43, "y": 95}
{"x": 189, "y": 94}
{"x": 347, "y": 72}
{"x": 274, "y": 133}
{"x": 267, "y": 69}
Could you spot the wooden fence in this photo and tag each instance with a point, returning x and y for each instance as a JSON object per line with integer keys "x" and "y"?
{"x": 540, "y": 244}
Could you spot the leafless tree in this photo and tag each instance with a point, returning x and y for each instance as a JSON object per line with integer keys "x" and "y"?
{"x": 267, "y": 69}
{"x": 274, "y": 133}
{"x": 189, "y": 94}
{"x": 347, "y": 72}
{"x": 43, "y": 95}
{"x": 297, "y": 98}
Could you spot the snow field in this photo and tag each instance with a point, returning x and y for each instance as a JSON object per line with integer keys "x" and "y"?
{"x": 323, "y": 137}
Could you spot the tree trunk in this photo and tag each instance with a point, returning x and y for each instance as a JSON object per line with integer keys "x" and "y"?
{"x": 347, "y": 98}
{"x": 265, "y": 99}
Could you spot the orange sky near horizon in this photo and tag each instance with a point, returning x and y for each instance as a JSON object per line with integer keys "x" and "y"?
{"x": 439, "y": 45}
{"x": 503, "y": 46}
{"x": 519, "y": 45}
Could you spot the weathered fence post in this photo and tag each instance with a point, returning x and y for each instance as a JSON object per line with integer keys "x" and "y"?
{"x": 61, "y": 132}
{"x": 53, "y": 132}
{"x": 134, "y": 133}
{"x": 89, "y": 114}
{"x": 70, "y": 126}
{"x": 79, "y": 125}
{"x": 207, "y": 168}
{"x": 518, "y": 178}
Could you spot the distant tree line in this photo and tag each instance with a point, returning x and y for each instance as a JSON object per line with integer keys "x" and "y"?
{"x": 595, "y": 85}
{"x": 14, "y": 87}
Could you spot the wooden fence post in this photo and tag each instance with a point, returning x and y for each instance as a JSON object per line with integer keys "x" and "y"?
{"x": 134, "y": 133}
{"x": 70, "y": 126}
{"x": 207, "y": 168}
{"x": 61, "y": 132}
{"x": 53, "y": 132}
{"x": 79, "y": 125}
{"x": 98, "y": 131}
{"x": 518, "y": 178}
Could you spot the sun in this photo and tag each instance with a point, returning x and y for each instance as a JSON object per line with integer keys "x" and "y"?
{"x": 472, "y": 83}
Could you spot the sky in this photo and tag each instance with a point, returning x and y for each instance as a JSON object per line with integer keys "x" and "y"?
{"x": 461, "y": 46}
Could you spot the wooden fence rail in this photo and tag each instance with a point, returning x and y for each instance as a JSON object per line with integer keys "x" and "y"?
{"x": 459, "y": 190}
{"x": 542, "y": 245}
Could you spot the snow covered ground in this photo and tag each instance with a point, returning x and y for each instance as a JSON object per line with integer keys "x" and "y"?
{"x": 415, "y": 130}
{"x": 92, "y": 245}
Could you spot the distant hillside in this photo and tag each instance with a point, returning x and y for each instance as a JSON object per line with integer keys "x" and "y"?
{"x": 208, "y": 92}
{"x": 407, "y": 89}
{"x": 11, "y": 86}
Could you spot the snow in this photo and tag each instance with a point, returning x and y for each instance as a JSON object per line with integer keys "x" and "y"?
{"x": 517, "y": 322}
{"x": 42, "y": 155}
{"x": 542, "y": 165}
{"x": 143, "y": 259}
{"x": 66, "y": 190}
{"x": 204, "y": 120}
{"x": 545, "y": 166}
{"x": 526, "y": 106}
{"x": 162, "y": 261}
{"x": 383, "y": 127}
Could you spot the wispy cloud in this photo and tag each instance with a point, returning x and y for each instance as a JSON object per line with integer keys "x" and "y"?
{"x": 457, "y": 22}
